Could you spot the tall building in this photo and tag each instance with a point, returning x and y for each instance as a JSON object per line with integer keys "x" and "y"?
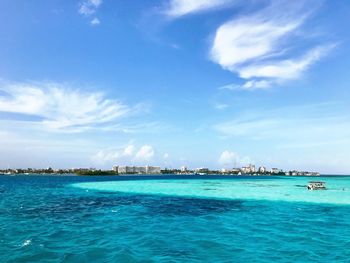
{"x": 262, "y": 169}
{"x": 248, "y": 169}
{"x": 183, "y": 169}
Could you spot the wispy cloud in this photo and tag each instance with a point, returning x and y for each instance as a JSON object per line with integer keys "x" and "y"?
{"x": 284, "y": 69}
{"x": 248, "y": 85}
{"x": 301, "y": 125}
{"x": 88, "y": 8}
{"x": 146, "y": 153}
{"x": 220, "y": 106}
{"x": 263, "y": 48}
{"x": 178, "y": 8}
{"x": 59, "y": 107}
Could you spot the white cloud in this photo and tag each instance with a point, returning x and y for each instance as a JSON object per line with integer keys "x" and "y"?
{"x": 145, "y": 153}
{"x": 257, "y": 84}
{"x": 250, "y": 85}
{"x": 232, "y": 159}
{"x": 260, "y": 47}
{"x": 146, "y": 127}
{"x": 62, "y": 108}
{"x": 110, "y": 156}
{"x": 105, "y": 156}
{"x": 129, "y": 150}
{"x": 89, "y": 7}
{"x": 95, "y": 21}
{"x": 284, "y": 69}
{"x": 125, "y": 155}
{"x": 166, "y": 156}
{"x": 178, "y": 8}
{"x": 220, "y": 106}
{"x": 228, "y": 158}
{"x": 229, "y": 87}
{"x": 239, "y": 41}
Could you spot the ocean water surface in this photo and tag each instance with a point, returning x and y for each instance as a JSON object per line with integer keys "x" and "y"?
{"x": 173, "y": 219}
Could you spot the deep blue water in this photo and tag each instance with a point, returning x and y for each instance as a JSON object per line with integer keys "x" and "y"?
{"x": 45, "y": 219}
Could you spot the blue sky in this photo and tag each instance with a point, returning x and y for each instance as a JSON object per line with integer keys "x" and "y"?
{"x": 201, "y": 83}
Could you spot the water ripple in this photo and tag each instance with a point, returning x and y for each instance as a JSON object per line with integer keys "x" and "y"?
{"x": 46, "y": 221}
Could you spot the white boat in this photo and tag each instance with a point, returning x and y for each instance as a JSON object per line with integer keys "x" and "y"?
{"x": 316, "y": 185}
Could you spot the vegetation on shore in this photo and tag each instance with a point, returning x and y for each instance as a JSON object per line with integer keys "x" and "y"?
{"x": 95, "y": 172}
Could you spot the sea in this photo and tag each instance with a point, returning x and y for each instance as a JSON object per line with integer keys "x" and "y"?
{"x": 173, "y": 219}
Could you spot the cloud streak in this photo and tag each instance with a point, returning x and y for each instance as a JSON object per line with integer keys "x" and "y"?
{"x": 263, "y": 48}
{"x": 61, "y": 108}
{"x": 297, "y": 125}
{"x": 179, "y": 8}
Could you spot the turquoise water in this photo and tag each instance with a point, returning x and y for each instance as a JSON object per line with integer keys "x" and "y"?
{"x": 289, "y": 189}
{"x": 156, "y": 219}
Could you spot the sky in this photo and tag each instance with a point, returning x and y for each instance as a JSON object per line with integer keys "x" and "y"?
{"x": 196, "y": 83}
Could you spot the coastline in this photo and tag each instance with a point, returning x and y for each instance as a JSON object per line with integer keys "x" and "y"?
{"x": 174, "y": 175}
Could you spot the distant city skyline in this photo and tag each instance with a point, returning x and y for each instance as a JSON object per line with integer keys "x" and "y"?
{"x": 172, "y": 83}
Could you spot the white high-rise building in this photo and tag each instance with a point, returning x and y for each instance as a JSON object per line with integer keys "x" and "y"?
{"x": 152, "y": 169}
{"x": 262, "y": 169}
{"x": 248, "y": 169}
{"x": 183, "y": 169}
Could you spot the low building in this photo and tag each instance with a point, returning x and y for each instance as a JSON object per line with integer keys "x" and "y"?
{"x": 137, "y": 169}
{"x": 140, "y": 169}
{"x": 236, "y": 171}
{"x": 152, "y": 169}
{"x": 275, "y": 170}
{"x": 125, "y": 169}
{"x": 202, "y": 170}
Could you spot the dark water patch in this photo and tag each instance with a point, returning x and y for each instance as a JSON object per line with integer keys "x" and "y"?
{"x": 211, "y": 184}
{"x": 253, "y": 184}
{"x": 85, "y": 206}
{"x": 70, "y": 206}
{"x": 192, "y": 206}
{"x": 109, "y": 193}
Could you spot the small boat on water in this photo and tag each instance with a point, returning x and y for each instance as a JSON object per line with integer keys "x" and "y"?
{"x": 316, "y": 186}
